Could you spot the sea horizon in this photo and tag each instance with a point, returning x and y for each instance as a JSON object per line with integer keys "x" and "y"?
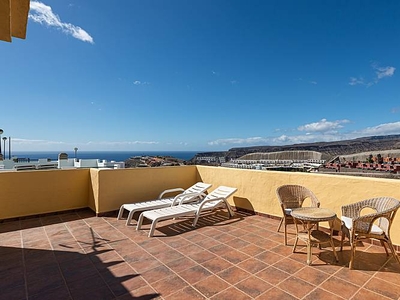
{"x": 102, "y": 155}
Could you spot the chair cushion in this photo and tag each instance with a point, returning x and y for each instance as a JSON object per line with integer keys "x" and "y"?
{"x": 288, "y": 211}
{"x": 348, "y": 222}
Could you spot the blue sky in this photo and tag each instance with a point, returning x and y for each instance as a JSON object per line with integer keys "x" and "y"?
{"x": 203, "y": 75}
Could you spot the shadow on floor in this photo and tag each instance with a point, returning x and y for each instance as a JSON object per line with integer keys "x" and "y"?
{"x": 182, "y": 225}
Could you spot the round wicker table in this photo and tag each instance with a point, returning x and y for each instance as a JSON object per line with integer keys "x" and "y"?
{"x": 309, "y": 217}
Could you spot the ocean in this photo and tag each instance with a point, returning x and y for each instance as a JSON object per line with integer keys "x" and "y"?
{"x": 102, "y": 155}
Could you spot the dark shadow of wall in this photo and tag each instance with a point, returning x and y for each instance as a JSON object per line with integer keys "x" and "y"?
{"x": 243, "y": 204}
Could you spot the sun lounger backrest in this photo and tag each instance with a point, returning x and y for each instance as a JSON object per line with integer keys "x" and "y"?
{"x": 199, "y": 187}
{"x": 220, "y": 192}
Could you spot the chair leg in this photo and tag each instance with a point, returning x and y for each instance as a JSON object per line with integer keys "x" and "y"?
{"x": 341, "y": 242}
{"x": 396, "y": 257}
{"x": 309, "y": 253}
{"x": 285, "y": 233}
{"x": 334, "y": 249}
{"x": 121, "y": 212}
{"x": 295, "y": 244}
{"x": 384, "y": 246}
{"x": 352, "y": 253}
{"x": 280, "y": 224}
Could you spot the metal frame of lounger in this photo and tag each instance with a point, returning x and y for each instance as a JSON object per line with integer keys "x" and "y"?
{"x": 189, "y": 194}
{"x": 216, "y": 199}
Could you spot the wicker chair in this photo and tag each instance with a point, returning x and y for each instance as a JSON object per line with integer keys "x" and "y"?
{"x": 374, "y": 225}
{"x": 290, "y": 197}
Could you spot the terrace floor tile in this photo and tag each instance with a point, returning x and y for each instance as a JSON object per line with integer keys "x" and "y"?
{"x": 77, "y": 255}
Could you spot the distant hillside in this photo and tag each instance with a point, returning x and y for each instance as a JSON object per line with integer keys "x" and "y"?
{"x": 329, "y": 150}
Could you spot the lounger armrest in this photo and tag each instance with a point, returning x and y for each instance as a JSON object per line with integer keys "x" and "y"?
{"x": 186, "y": 198}
{"x": 204, "y": 202}
{"x": 192, "y": 197}
{"x": 170, "y": 191}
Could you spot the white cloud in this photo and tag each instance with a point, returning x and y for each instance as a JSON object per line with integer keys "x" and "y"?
{"x": 306, "y": 80}
{"x": 322, "y": 131}
{"x": 124, "y": 143}
{"x": 43, "y": 14}
{"x": 381, "y": 72}
{"x": 356, "y": 81}
{"x": 19, "y": 141}
{"x": 323, "y": 126}
{"x": 384, "y": 72}
{"x": 306, "y": 138}
{"x": 239, "y": 141}
{"x": 382, "y": 129}
{"x": 395, "y": 110}
{"x": 22, "y": 144}
{"x": 138, "y": 82}
{"x": 281, "y": 140}
{"x": 328, "y": 134}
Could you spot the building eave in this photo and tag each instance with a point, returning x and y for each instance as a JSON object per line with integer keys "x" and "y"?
{"x": 13, "y": 19}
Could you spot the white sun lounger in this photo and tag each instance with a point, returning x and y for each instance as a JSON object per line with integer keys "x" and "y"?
{"x": 216, "y": 199}
{"x": 190, "y": 194}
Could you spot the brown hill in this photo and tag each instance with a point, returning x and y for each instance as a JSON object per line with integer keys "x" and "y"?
{"x": 329, "y": 150}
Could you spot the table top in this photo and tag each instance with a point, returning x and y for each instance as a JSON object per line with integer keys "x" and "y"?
{"x": 314, "y": 214}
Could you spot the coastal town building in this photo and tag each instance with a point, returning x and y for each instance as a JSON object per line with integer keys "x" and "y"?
{"x": 210, "y": 159}
{"x": 63, "y": 162}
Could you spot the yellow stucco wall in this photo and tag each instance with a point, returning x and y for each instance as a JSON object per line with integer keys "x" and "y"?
{"x": 93, "y": 189}
{"x": 256, "y": 189}
{"x": 116, "y": 187}
{"x": 26, "y": 193}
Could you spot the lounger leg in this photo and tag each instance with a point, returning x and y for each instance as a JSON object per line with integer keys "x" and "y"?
{"x": 196, "y": 218}
{"x": 121, "y": 212}
{"x": 130, "y": 216}
{"x": 153, "y": 227}
{"x": 230, "y": 210}
{"x": 140, "y": 221}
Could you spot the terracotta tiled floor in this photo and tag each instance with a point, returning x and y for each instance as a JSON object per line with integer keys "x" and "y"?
{"x": 79, "y": 256}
